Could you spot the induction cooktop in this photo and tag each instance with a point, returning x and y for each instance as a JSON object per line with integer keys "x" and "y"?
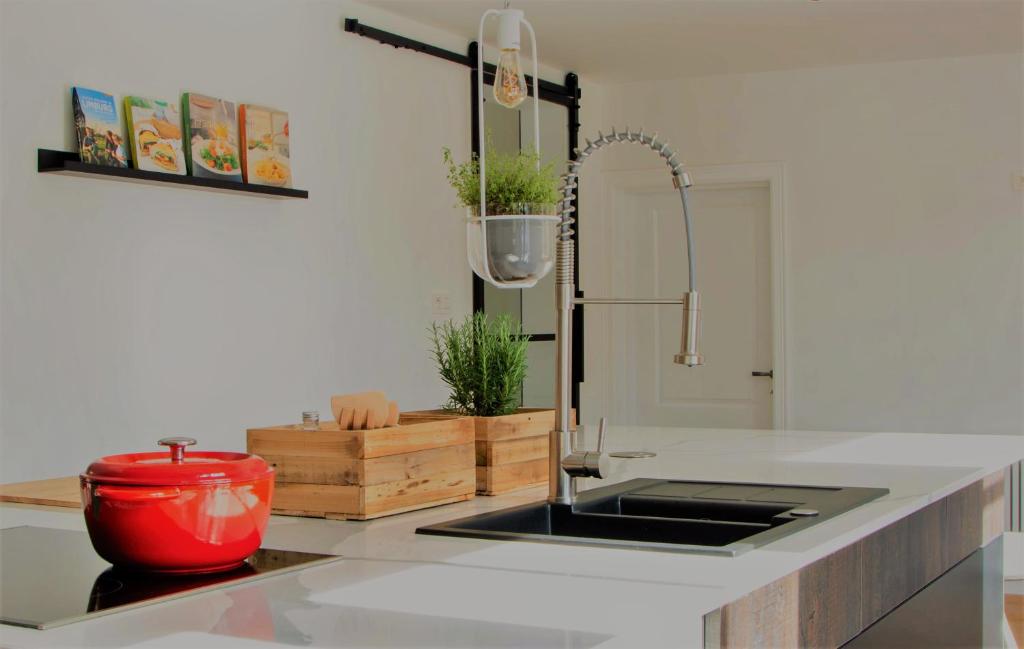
{"x": 50, "y": 577}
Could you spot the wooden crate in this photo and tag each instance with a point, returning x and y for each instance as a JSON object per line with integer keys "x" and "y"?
{"x": 511, "y": 450}
{"x": 363, "y": 474}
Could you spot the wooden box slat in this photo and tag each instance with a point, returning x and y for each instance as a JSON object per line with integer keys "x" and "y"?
{"x": 528, "y": 422}
{"x": 511, "y": 450}
{"x": 412, "y": 434}
{"x": 334, "y": 473}
{"x": 508, "y": 477}
{"x": 382, "y": 498}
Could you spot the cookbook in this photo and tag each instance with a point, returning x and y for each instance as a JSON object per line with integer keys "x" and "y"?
{"x": 265, "y": 153}
{"x": 100, "y": 141}
{"x": 211, "y": 137}
{"x": 154, "y": 128}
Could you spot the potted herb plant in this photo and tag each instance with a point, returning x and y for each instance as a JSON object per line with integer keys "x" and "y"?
{"x": 514, "y": 182}
{"x": 512, "y": 244}
{"x": 483, "y": 362}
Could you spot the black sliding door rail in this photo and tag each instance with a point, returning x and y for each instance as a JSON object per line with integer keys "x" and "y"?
{"x": 549, "y": 91}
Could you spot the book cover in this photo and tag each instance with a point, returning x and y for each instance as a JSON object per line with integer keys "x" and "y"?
{"x": 154, "y": 130}
{"x": 100, "y": 141}
{"x": 211, "y": 137}
{"x": 265, "y": 152}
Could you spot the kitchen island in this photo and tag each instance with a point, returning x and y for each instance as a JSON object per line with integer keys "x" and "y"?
{"x": 396, "y": 588}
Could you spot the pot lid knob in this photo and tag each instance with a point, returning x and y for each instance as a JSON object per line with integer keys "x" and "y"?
{"x": 177, "y": 446}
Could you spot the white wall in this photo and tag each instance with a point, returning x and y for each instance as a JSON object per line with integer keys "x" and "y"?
{"x": 133, "y": 312}
{"x": 905, "y": 242}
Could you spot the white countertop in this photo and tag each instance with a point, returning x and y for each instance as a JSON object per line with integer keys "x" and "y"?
{"x": 394, "y": 588}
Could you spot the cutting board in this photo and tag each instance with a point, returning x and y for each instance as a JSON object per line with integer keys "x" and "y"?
{"x": 55, "y": 492}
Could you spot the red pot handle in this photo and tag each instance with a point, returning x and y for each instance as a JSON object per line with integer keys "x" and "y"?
{"x": 136, "y": 494}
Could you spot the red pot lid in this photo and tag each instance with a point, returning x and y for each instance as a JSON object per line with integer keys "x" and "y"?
{"x": 177, "y": 467}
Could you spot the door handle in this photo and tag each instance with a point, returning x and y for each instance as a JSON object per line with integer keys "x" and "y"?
{"x": 770, "y": 375}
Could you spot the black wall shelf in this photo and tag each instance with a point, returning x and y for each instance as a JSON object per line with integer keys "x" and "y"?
{"x": 68, "y": 163}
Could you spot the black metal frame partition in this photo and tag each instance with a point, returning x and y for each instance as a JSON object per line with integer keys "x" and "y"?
{"x": 567, "y": 95}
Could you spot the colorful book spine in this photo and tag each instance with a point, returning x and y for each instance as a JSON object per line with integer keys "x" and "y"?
{"x": 154, "y": 127}
{"x": 211, "y": 137}
{"x": 100, "y": 139}
{"x": 265, "y": 146}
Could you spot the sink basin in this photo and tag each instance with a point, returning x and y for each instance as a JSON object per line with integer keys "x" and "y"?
{"x": 668, "y": 515}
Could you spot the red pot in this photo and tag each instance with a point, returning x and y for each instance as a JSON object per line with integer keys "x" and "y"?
{"x": 171, "y": 513}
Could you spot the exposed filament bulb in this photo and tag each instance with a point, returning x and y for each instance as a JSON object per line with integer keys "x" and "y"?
{"x": 509, "y": 81}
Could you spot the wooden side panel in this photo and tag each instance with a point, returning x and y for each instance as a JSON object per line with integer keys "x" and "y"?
{"x": 387, "y": 468}
{"x": 993, "y": 514}
{"x": 765, "y": 618}
{"x": 311, "y": 469}
{"x": 831, "y": 601}
{"x": 315, "y": 499}
{"x": 390, "y": 496}
{"x": 492, "y": 480}
{"x": 510, "y": 451}
{"x": 417, "y": 465}
{"x": 963, "y": 523}
{"x": 55, "y": 492}
{"x": 925, "y": 530}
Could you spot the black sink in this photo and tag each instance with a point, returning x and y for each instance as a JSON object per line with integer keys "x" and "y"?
{"x": 668, "y": 515}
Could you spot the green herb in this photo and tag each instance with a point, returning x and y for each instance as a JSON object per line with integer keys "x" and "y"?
{"x": 512, "y": 179}
{"x": 483, "y": 361}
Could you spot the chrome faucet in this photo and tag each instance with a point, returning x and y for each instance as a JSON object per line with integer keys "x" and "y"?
{"x": 564, "y": 468}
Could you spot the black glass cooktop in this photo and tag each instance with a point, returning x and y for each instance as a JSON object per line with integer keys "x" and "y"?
{"x": 50, "y": 577}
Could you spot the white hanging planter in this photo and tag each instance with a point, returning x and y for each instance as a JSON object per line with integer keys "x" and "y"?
{"x": 516, "y": 247}
{"x": 512, "y": 250}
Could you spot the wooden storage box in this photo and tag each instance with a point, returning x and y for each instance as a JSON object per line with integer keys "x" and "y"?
{"x": 363, "y": 474}
{"x": 511, "y": 450}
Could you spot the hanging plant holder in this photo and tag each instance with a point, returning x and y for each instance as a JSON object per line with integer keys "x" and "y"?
{"x": 510, "y": 246}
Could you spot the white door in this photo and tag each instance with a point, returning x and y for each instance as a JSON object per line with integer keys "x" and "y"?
{"x": 732, "y": 237}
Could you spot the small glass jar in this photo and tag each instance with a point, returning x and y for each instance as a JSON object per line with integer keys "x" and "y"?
{"x": 310, "y": 420}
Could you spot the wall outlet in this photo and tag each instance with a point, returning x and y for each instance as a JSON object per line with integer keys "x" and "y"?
{"x": 441, "y": 304}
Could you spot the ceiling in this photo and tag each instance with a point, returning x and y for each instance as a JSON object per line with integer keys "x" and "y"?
{"x": 623, "y": 40}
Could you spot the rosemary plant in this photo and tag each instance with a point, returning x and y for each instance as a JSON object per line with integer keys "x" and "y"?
{"x": 483, "y": 361}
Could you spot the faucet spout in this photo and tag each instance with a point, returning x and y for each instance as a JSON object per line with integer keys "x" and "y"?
{"x": 688, "y": 354}
{"x": 565, "y": 465}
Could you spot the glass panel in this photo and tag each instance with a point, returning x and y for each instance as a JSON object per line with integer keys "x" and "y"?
{"x": 538, "y": 305}
{"x": 539, "y": 386}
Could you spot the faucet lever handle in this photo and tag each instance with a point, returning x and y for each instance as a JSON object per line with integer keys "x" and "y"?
{"x": 601, "y": 429}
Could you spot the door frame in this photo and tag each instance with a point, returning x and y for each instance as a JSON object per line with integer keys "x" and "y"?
{"x": 765, "y": 174}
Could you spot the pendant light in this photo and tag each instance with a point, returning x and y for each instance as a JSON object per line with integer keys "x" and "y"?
{"x": 516, "y": 248}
